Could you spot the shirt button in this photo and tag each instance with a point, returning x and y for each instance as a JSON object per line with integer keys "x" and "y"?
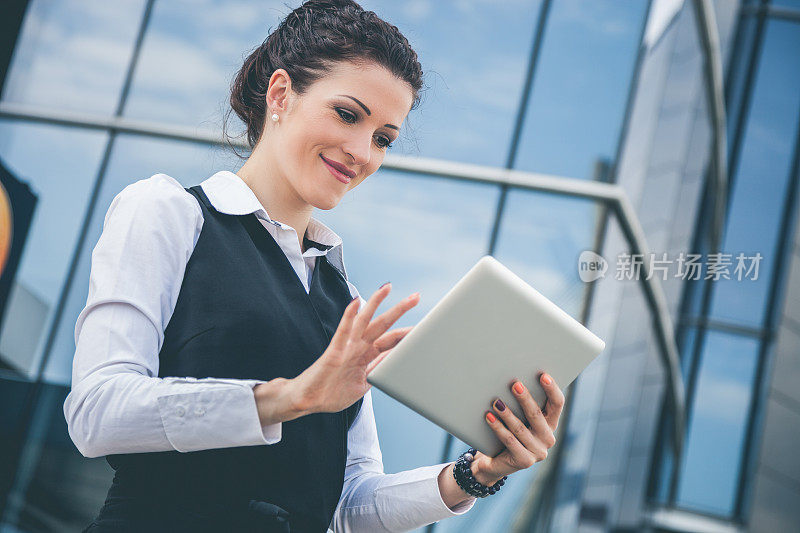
{"x": 200, "y": 411}
{"x": 180, "y": 411}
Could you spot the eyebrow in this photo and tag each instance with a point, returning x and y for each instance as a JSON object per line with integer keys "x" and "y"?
{"x": 366, "y": 109}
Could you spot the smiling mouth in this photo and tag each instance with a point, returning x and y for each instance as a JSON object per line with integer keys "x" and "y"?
{"x": 338, "y": 170}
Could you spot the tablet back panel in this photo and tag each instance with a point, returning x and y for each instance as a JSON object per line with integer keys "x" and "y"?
{"x": 490, "y": 329}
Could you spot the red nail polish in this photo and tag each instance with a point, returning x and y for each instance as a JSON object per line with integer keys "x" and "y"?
{"x": 490, "y": 417}
{"x": 518, "y": 388}
{"x": 546, "y": 379}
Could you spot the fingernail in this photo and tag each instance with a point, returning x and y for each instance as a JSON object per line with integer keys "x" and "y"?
{"x": 499, "y": 405}
{"x": 388, "y": 282}
{"x": 546, "y": 379}
{"x": 490, "y": 417}
{"x": 518, "y": 388}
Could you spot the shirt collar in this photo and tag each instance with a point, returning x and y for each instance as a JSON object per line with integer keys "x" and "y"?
{"x": 229, "y": 194}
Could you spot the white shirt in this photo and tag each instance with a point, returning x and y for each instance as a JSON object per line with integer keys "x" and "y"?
{"x": 118, "y": 404}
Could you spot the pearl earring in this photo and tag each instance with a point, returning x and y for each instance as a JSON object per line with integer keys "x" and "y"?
{"x": 275, "y": 117}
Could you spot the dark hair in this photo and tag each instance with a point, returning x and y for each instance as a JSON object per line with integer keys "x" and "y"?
{"x": 307, "y": 43}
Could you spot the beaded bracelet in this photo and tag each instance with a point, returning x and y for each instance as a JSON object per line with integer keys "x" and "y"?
{"x": 462, "y": 472}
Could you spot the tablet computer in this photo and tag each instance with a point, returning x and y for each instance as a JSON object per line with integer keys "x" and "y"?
{"x": 489, "y": 330}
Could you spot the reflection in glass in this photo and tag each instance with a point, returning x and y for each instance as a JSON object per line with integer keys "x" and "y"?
{"x": 664, "y": 462}
{"x": 718, "y": 418}
{"x": 738, "y": 78}
{"x": 190, "y": 54}
{"x": 760, "y": 180}
{"x": 688, "y": 341}
{"x": 55, "y": 488}
{"x": 62, "y": 182}
{"x": 541, "y": 237}
{"x": 475, "y": 56}
{"x": 73, "y": 54}
{"x": 582, "y": 79}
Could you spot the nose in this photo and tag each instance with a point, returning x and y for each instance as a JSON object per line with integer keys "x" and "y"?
{"x": 359, "y": 150}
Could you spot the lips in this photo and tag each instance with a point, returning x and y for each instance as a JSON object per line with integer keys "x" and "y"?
{"x": 340, "y": 168}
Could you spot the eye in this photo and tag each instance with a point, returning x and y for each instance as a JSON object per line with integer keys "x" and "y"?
{"x": 383, "y": 141}
{"x": 347, "y": 116}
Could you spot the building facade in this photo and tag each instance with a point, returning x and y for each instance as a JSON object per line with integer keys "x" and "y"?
{"x": 612, "y": 99}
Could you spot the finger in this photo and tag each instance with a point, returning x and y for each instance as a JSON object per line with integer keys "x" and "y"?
{"x": 555, "y": 400}
{"x": 378, "y": 326}
{"x": 380, "y": 357}
{"x": 365, "y": 315}
{"x": 533, "y": 413}
{"x": 390, "y": 339}
{"x": 520, "y": 455}
{"x": 516, "y": 426}
{"x": 342, "y": 332}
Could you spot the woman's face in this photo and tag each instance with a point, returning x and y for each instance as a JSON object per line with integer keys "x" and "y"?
{"x": 345, "y": 119}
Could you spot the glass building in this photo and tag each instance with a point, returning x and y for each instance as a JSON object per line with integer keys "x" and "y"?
{"x": 642, "y": 130}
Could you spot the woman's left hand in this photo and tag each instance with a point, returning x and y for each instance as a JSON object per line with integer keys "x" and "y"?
{"x": 525, "y": 443}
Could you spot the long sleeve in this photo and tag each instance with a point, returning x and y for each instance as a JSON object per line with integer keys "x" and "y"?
{"x": 373, "y": 501}
{"x": 117, "y": 403}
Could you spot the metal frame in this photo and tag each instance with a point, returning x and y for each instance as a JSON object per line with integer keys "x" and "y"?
{"x": 706, "y": 23}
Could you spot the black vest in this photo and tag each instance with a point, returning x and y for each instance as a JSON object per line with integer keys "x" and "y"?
{"x": 242, "y": 312}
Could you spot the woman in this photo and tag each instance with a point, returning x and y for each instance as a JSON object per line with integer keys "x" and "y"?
{"x": 221, "y": 359}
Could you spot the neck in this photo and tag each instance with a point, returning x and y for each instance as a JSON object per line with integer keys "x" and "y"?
{"x": 275, "y": 193}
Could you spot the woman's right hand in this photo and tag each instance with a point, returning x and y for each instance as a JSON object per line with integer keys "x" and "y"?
{"x": 338, "y": 378}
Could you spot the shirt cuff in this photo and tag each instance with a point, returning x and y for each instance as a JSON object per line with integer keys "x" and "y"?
{"x": 416, "y": 500}
{"x": 215, "y": 418}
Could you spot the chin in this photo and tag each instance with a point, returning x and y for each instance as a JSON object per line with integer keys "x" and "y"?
{"x": 326, "y": 204}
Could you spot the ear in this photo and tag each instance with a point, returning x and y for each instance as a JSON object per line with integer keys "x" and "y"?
{"x": 278, "y": 91}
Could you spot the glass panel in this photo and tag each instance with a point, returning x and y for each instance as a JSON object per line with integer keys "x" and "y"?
{"x": 718, "y": 420}
{"x": 178, "y": 83}
{"x": 56, "y": 488}
{"x": 541, "y": 237}
{"x": 738, "y": 77}
{"x": 73, "y": 54}
{"x": 190, "y": 55}
{"x": 62, "y": 183}
{"x": 422, "y": 234}
{"x": 666, "y": 458}
{"x": 688, "y": 342}
{"x": 793, "y": 5}
{"x": 475, "y": 56}
{"x": 578, "y": 98}
{"x": 759, "y": 185}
